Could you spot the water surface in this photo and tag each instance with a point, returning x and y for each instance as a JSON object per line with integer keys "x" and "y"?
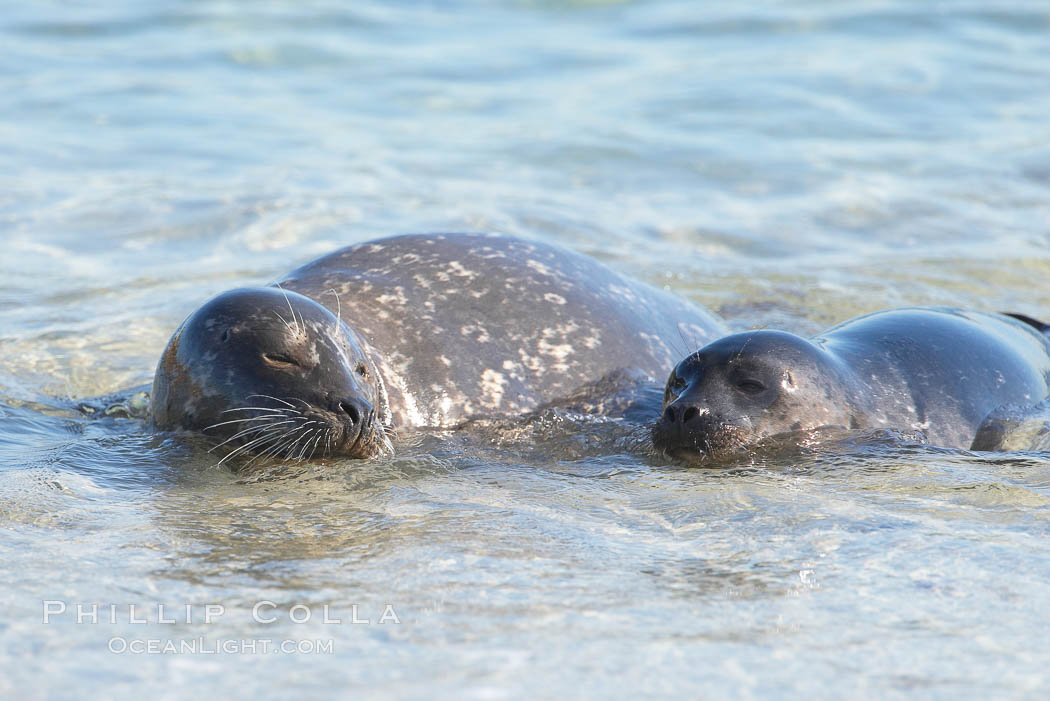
{"x": 787, "y": 164}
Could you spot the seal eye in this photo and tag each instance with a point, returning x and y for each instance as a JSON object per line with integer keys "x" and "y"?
{"x": 675, "y": 383}
{"x": 750, "y": 386}
{"x": 361, "y": 370}
{"x": 279, "y": 360}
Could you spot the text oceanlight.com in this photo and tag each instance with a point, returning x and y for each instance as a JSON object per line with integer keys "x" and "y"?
{"x": 202, "y": 646}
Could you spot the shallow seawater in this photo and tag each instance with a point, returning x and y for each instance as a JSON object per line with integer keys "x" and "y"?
{"x": 787, "y": 164}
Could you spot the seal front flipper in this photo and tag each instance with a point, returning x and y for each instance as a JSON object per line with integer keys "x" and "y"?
{"x": 1015, "y": 429}
{"x": 130, "y": 404}
{"x": 622, "y": 394}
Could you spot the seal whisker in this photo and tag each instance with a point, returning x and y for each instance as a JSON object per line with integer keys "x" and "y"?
{"x": 295, "y": 444}
{"x": 306, "y": 444}
{"x": 309, "y": 434}
{"x": 247, "y": 431}
{"x": 686, "y": 344}
{"x": 287, "y": 454}
{"x": 259, "y": 408}
{"x": 244, "y": 430}
{"x": 250, "y": 418}
{"x": 385, "y": 445}
{"x": 278, "y": 446}
{"x": 268, "y": 429}
{"x": 264, "y": 443}
{"x": 743, "y": 347}
{"x": 305, "y": 403}
{"x": 269, "y": 452}
{"x": 320, "y": 435}
{"x": 284, "y": 321}
{"x": 280, "y": 434}
{"x": 291, "y": 309}
{"x": 305, "y": 438}
{"x": 338, "y": 305}
{"x": 281, "y": 450}
{"x": 247, "y": 446}
{"x": 267, "y": 396}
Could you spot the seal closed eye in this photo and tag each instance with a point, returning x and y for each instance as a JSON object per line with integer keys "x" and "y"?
{"x": 410, "y": 331}
{"x": 937, "y": 370}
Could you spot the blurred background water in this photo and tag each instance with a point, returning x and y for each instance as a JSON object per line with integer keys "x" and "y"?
{"x": 788, "y": 164}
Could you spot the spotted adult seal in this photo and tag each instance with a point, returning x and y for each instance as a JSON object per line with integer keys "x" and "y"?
{"x": 938, "y": 370}
{"x": 410, "y": 331}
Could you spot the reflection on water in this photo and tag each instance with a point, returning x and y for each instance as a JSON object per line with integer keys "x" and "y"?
{"x": 789, "y": 165}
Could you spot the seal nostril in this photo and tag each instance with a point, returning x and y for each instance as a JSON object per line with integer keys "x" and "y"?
{"x": 669, "y": 415}
{"x": 351, "y": 411}
{"x": 690, "y": 413}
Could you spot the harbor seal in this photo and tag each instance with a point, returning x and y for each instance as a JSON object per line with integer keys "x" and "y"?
{"x": 410, "y": 331}
{"x": 938, "y": 370}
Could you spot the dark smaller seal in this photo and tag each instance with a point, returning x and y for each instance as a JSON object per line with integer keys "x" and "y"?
{"x": 941, "y": 371}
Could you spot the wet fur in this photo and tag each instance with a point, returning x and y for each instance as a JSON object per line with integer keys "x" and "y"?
{"x": 939, "y": 371}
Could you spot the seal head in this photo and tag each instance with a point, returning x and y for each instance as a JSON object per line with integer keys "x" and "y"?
{"x": 749, "y": 386}
{"x": 271, "y": 372}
